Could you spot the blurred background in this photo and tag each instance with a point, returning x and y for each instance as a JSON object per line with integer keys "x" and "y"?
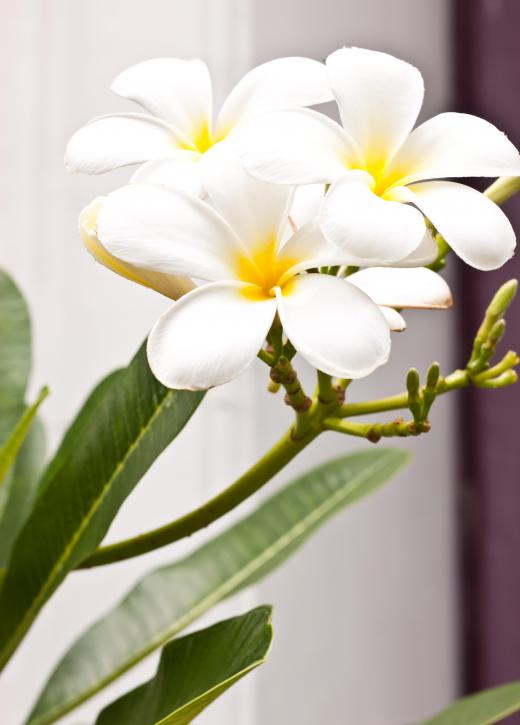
{"x": 402, "y": 602}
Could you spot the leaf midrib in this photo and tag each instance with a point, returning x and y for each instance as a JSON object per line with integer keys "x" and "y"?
{"x": 285, "y": 540}
{"x": 42, "y": 593}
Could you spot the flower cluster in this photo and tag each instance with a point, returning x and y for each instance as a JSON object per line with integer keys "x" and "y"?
{"x": 273, "y": 214}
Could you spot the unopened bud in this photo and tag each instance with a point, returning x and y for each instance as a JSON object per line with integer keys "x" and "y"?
{"x": 432, "y": 376}
{"x": 413, "y": 383}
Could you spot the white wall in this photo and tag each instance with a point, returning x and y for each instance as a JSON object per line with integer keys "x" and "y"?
{"x": 365, "y": 614}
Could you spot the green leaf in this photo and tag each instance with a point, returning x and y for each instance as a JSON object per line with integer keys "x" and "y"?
{"x": 194, "y": 671}
{"x": 23, "y": 488}
{"x": 15, "y": 363}
{"x": 124, "y": 425}
{"x": 168, "y": 599}
{"x": 13, "y": 442}
{"x": 15, "y": 348}
{"x": 482, "y": 708}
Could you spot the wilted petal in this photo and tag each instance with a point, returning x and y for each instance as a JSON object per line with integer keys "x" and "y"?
{"x": 209, "y": 337}
{"x": 178, "y": 91}
{"x": 367, "y": 227}
{"x": 168, "y": 285}
{"x": 277, "y": 84}
{"x": 112, "y": 141}
{"x": 168, "y": 232}
{"x": 474, "y": 226}
{"x": 295, "y": 147}
{"x": 333, "y": 325}
{"x": 379, "y": 98}
{"x": 456, "y": 144}
{"x": 394, "y": 287}
{"x": 179, "y": 171}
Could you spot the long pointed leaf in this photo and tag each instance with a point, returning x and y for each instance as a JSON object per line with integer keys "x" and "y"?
{"x": 15, "y": 346}
{"x": 23, "y": 488}
{"x": 194, "y": 671}
{"x": 14, "y": 441}
{"x": 124, "y": 425}
{"x": 15, "y": 364}
{"x": 168, "y": 599}
{"x": 482, "y": 708}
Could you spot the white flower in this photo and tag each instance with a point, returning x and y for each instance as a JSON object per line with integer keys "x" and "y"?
{"x": 375, "y": 162}
{"x": 169, "y": 285}
{"x": 215, "y": 331}
{"x": 178, "y": 93}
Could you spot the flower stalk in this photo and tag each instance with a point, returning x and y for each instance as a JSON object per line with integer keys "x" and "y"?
{"x": 327, "y": 412}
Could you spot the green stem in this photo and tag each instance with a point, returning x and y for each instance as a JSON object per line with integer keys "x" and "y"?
{"x": 375, "y": 431}
{"x": 503, "y": 189}
{"x": 457, "y": 379}
{"x": 257, "y": 476}
{"x": 325, "y": 391}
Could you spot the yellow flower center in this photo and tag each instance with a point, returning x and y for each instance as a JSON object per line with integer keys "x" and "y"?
{"x": 263, "y": 270}
{"x": 203, "y": 139}
{"x": 385, "y": 178}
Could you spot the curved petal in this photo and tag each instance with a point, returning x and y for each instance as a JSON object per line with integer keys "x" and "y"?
{"x": 393, "y": 287}
{"x": 179, "y": 171}
{"x": 474, "y": 226}
{"x": 379, "y": 99}
{"x": 168, "y": 232}
{"x": 277, "y": 84}
{"x": 209, "y": 337}
{"x": 396, "y": 322}
{"x": 295, "y": 147}
{"x": 306, "y": 204}
{"x": 456, "y": 144}
{"x": 256, "y": 211}
{"x": 112, "y": 141}
{"x": 168, "y": 285}
{"x": 371, "y": 229}
{"x": 308, "y": 248}
{"x": 178, "y": 91}
{"x": 333, "y": 325}
{"x": 424, "y": 254}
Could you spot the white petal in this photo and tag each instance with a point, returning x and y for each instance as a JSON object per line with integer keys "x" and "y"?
{"x": 178, "y": 91}
{"x": 474, "y": 226}
{"x": 308, "y": 248}
{"x": 306, "y": 204}
{"x": 295, "y": 147}
{"x": 112, "y": 141}
{"x": 396, "y": 322}
{"x": 179, "y": 171}
{"x": 256, "y": 211}
{"x": 168, "y": 232}
{"x": 168, "y": 285}
{"x": 379, "y": 98}
{"x": 209, "y": 337}
{"x": 424, "y": 254}
{"x": 369, "y": 228}
{"x": 456, "y": 144}
{"x": 393, "y": 287}
{"x": 333, "y": 325}
{"x": 277, "y": 84}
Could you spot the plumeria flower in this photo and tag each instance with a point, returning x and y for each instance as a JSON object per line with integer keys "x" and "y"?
{"x": 214, "y": 332}
{"x": 382, "y": 173}
{"x": 170, "y": 143}
{"x": 171, "y": 286}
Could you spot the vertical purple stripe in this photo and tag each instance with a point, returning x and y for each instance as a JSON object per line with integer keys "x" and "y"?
{"x": 487, "y": 41}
